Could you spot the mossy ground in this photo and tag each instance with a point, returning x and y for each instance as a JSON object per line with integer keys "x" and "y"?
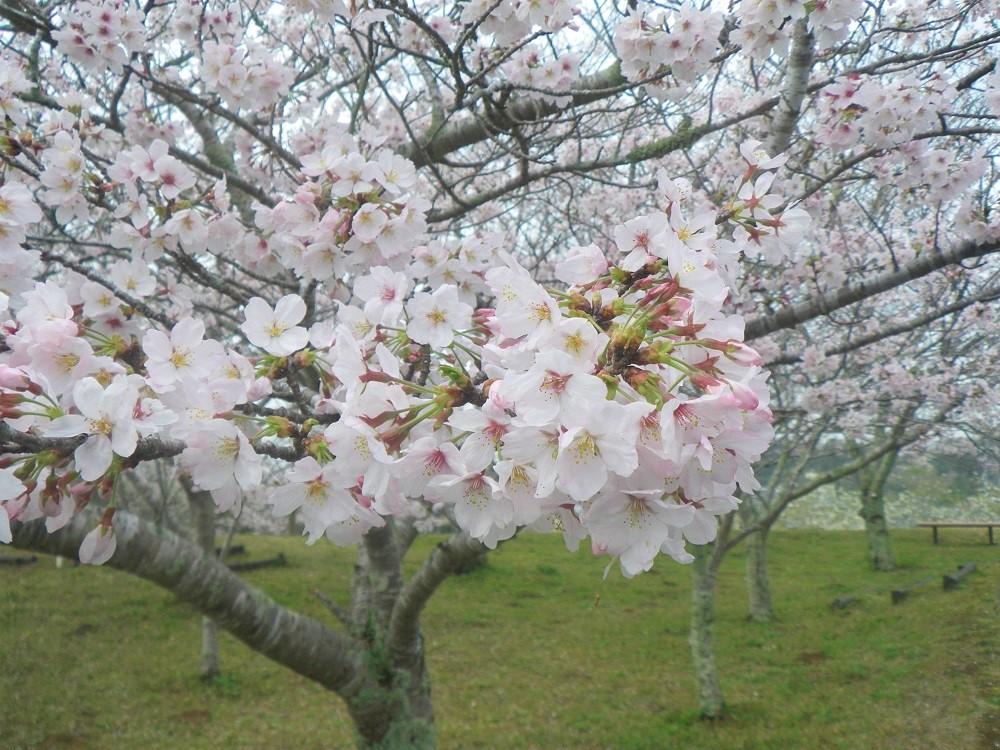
{"x": 536, "y": 650}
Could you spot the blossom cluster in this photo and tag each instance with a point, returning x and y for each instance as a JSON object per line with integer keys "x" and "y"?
{"x": 101, "y": 34}
{"x": 766, "y": 26}
{"x": 351, "y": 213}
{"x": 527, "y": 69}
{"x": 509, "y": 21}
{"x": 620, "y": 405}
{"x": 858, "y": 109}
{"x": 667, "y": 50}
{"x": 246, "y": 76}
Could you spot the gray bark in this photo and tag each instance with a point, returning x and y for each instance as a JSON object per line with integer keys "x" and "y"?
{"x": 873, "y": 512}
{"x": 385, "y": 615}
{"x": 703, "y": 571}
{"x": 759, "y": 607}
{"x": 378, "y": 669}
{"x": 793, "y": 90}
{"x": 481, "y": 126}
{"x": 209, "y": 667}
{"x": 203, "y": 522}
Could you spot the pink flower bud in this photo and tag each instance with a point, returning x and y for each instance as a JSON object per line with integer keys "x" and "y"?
{"x": 742, "y": 354}
{"x": 99, "y": 545}
{"x": 14, "y": 379}
{"x": 744, "y": 396}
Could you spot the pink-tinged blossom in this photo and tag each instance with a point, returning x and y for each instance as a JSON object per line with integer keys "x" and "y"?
{"x": 578, "y": 338}
{"x": 99, "y": 545}
{"x": 45, "y": 303}
{"x": 368, "y": 222}
{"x": 14, "y": 379}
{"x": 359, "y": 452}
{"x": 755, "y": 156}
{"x": 133, "y": 277}
{"x": 98, "y": 300}
{"x": 523, "y": 307}
{"x": 486, "y": 427}
{"x": 425, "y": 459}
{"x": 519, "y": 483}
{"x": 106, "y": 417}
{"x": 383, "y": 292}
{"x": 351, "y": 530}
{"x": 17, "y": 206}
{"x": 704, "y": 525}
{"x": 354, "y": 175}
{"x": 12, "y": 83}
{"x": 581, "y": 265}
{"x": 184, "y": 353}
{"x": 218, "y": 453}
{"x": 63, "y": 361}
{"x": 11, "y": 488}
{"x": 631, "y": 518}
{"x": 476, "y": 505}
{"x": 275, "y": 330}
{"x": 319, "y": 491}
{"x": 532, "y": 445}
{"x": 173, "y": 177}
{"x": 434, "y": 318}
{"x": 393, "y": 172}
{"x": 555, "y": 386}
{"x": 635, "y": 239}
{"x": 602, "y": 440}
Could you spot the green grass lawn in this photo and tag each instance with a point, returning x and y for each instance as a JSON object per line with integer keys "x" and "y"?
{"x": 534, "y": 651}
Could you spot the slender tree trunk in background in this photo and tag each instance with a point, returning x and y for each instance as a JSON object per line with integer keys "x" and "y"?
{"x": 873, "y": 512}
{"x": 209, "y": 668}
{"x": 203, "y": 520}
{"x": 759, "y": 607}
{"x": 703, "y": 571}
{"x": 294, "y": 527}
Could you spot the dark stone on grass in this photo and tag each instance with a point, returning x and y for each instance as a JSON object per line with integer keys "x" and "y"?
{"x": 23, "y": 560}
{"x": 271, "y": 562}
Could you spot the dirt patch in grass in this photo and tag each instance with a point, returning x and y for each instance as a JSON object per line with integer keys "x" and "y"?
{"x": 64, "y": 742}
{"x": 811, "y": 657}
{"x": 194, "y": 716}
{"x": 988, "y": 729}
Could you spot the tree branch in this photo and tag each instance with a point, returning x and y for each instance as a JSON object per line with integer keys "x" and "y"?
{"x": 790, "y": 317}
{"x": 472, "y": 130}
{"x": 299, "y": 643}
{"x": 894, "y": 330}
{"x": 795, "y": 86}
{"x": 404, "y": 635}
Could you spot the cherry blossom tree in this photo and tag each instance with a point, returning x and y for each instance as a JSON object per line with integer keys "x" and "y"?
{"x": 519, "y": 263}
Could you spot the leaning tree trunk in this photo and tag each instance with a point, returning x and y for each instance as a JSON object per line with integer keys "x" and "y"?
{"x": 873, "y": 512}
{"x": 703, "y": 571}
{"x": 759, "y": 607}
{"x": 203, "y": 520}
{"x": 377, "y": 668}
